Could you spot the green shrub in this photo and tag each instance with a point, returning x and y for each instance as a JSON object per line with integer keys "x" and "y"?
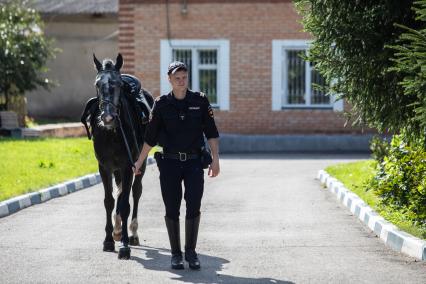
{"x": 379, "y": 148}
{"x": 401, "y": 179}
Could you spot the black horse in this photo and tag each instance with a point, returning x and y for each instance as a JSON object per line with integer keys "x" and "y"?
{"x": 117, "y": 117}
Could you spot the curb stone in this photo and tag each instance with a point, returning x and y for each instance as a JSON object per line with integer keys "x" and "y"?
{"x": 394, "y": 238}
{"x": 18, "y": 203}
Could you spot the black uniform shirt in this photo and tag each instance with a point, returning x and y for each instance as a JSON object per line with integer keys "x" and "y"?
{"x": 178, "y": 125}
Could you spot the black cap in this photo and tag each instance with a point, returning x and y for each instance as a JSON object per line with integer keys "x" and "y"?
{"x": 176, "y": 66}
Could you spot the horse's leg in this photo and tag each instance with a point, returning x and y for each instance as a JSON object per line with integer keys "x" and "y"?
{"x": 137, "y": 192}
{"x": 117, "y": 218}
{"x": 124, "y": 209}
{"x": 109, "y": 206}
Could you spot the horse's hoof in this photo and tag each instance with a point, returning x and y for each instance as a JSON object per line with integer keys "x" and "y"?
{"x": 116, "y": 236}
{"x": 124, "y": 253}
{"x": 109, "y": 246}
{"x": 134, "y": 241}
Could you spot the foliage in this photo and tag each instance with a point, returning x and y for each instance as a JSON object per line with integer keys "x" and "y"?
{"x": 379, "y": 148}
{"x": 23, "y": 50}
{"x": 401, "y": 179}
{"x": 349, "y": 51}
{"x": 410, "y": 62}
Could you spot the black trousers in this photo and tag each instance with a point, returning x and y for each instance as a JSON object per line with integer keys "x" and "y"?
{"x": 172, "y": 174}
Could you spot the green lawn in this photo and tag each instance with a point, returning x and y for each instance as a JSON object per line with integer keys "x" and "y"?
{"x": 355, "y": 177}
{"x": 29, "y": 165}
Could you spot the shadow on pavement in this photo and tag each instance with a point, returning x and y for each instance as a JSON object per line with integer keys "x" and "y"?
{"x": 159, "y": 259}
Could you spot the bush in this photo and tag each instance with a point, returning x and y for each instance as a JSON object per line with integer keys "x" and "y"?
{"x": 401, "y": 179}
{"x": 379, "y": 148}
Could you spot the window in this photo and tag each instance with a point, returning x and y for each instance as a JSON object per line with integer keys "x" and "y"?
{"x": 293, "y": 79}
{"x": 208, "y": 67}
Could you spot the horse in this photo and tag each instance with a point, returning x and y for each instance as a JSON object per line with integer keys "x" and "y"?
{"x": 118, "y": 116}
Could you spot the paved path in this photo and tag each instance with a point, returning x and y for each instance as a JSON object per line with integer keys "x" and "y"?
{"x": 264, "y": 220}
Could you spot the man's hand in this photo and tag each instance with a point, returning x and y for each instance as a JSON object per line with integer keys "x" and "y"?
{"x": 144, "y": 153}
{"x": 136, "y": 167}
{"x": 214, "y": 168}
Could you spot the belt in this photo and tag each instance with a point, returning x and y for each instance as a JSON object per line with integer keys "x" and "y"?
{"x": 181, "y": 156}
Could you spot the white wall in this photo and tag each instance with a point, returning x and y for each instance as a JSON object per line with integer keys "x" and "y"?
{"x": 78, "y": 37}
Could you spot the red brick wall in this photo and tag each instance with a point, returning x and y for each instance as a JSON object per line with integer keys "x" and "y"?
{"x": 250, "y": 27}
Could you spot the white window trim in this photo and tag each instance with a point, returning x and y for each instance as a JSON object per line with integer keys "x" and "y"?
{"x": 279, "y": 72}
{"x": 222, "y": 46}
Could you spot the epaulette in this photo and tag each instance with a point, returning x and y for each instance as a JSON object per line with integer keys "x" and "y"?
{"x": 160, "y": 98}
{"x": 200, "y": 95}
{"x": 160, "y": 101}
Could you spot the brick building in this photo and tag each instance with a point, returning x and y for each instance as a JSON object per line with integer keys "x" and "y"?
{"x": 243, "y": 54}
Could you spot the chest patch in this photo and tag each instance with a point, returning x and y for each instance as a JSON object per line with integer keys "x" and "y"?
{"x": 194, "y": 108}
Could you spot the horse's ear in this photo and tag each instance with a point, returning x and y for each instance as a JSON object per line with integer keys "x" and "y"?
{"x": 118, "y": 62}
{"x": 98, "y": 65}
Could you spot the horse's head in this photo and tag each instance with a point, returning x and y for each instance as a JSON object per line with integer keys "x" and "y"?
{"x": 108, "y": 87}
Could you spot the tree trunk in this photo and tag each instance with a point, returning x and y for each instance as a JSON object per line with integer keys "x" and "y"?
{"x": 6, "y": 99}
{"x": 18, "y": 104}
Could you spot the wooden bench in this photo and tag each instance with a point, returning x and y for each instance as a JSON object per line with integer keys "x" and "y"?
{"x": 8, "y": 120}
{"x": 9, "y": 126}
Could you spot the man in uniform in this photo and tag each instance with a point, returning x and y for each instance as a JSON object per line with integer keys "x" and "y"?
{"x": 177, "y": 123}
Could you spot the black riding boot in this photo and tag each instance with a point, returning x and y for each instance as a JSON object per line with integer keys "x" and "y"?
{"x": 191, "y": 233}
{"x": 173, "y": 230}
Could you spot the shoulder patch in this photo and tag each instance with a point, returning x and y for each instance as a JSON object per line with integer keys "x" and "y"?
{"x": 210, "y": 111}
{"x": 202, "y": 94}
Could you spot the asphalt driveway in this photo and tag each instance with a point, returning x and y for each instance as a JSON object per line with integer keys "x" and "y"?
{"x": 265, "y": 219}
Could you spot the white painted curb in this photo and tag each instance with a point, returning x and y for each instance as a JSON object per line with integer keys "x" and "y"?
{"x": 18, "y": 203}
{"x": 388, "y": 233}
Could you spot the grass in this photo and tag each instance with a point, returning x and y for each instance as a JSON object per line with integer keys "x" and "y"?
{"x": 355, "y": 177}
{"x": 32, "y": 164}
{"x": 31, "y": 122}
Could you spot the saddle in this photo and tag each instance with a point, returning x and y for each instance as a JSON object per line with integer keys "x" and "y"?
{"x": 138, "y": 98}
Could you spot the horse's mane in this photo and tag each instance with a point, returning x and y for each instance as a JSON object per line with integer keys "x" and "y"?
{"x": 108, "y": 64}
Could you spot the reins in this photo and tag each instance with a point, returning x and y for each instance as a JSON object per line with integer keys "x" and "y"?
{"x": 124, "y": 134}
{"x": 129, "y": 154}
{"x": 117, "y": 110}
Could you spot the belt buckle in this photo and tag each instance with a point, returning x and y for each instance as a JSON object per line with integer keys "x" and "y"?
{"x": 182, "y": 157}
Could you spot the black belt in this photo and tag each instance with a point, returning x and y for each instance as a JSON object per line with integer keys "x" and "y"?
{"x": 181, "y": 156}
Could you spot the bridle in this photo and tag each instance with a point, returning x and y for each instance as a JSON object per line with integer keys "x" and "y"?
{"x": 116, "y": 111}
{"x": 106, "y": 102}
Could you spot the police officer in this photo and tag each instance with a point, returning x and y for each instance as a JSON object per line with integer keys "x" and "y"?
{"x": 177, "y": 123}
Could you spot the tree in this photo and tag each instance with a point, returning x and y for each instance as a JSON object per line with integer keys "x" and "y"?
{"x": 410, "y": 62}
{"x": 350, "y": 49}
{"x": 23, "y": 50}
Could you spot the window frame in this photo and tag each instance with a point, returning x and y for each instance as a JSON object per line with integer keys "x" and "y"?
{"x": 222, "y": 65}
{"x": 280, "y": 78}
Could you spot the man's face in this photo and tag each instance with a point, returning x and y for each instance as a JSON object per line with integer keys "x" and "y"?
{"x": 179, "y": 80}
